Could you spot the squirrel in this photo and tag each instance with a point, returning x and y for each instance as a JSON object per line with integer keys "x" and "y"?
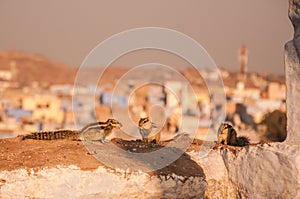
{"x": 147, "y": 130}
{"x": 92, "y": 132}
{"x": 99, "y": 130}
{"x": 228, "y": 136}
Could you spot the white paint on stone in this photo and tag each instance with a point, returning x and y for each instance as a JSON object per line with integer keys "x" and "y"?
{"x": 253, "y": 172}
{"x": 71, "y": 182}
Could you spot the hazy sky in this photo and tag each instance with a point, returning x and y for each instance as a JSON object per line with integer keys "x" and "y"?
{"x": 66, "y": 31}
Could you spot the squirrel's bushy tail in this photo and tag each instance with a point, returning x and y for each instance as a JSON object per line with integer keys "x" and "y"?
{"x": 242, "y": 141}
{"x": 52, "y": 135}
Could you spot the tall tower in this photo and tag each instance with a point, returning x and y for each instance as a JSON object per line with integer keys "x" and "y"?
{"x": 243, "y": 61}
{"x": 13, "y": 70}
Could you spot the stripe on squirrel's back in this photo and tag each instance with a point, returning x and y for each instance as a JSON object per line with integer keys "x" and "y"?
{"x": 95, "y": 124}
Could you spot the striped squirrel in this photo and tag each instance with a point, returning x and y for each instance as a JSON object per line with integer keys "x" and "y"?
{"x": 99, "y": 130}
{"x": 148, "y": 130}
{"x": 92, "y": 132}
{"x": 227, "y": 135}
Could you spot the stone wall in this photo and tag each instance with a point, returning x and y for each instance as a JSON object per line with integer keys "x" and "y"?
{"x": 262, "y": 171}
{"x": 72, "y": 182}
{"x": 292, "y": 71}
{"x": 292, "y": 74}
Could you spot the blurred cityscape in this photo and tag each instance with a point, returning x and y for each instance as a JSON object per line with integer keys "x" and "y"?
{"x": 37, "y": 94}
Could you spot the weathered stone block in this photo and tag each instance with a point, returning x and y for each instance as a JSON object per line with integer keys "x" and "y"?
{"x": 292, "y": 73}
{"x": 262, "y": 171}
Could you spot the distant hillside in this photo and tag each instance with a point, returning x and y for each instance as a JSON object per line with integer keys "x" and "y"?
{"x": 109, "y": 76}
{"x": 36, "y": 68}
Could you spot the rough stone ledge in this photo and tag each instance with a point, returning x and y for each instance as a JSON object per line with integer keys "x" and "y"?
{"x": 65, "y": 169}
{"x": 72, "y": 182}
{"x": 262, "y": 171}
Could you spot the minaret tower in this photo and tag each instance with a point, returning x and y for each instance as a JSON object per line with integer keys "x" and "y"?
{"x": 13, "y": 70}
{"x": 243, "y": 61}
